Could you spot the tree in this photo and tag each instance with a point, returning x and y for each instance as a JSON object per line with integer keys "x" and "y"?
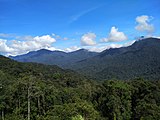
{"x": 116, "y": 101}
{"x": 144, "y": 100}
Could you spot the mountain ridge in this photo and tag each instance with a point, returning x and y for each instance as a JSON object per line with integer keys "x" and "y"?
{"x": 59, "y": 58}
{"x": 141, "y": 59}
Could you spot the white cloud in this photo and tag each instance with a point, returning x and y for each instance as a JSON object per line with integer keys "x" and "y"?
{"x": 102, "y": 47}
{"x": 143, "y": 24}
{"x": 44, "y": 40}
{"x": 88, "y": 39}
{"x": 114, "y": 36}
{"x": 3, "y": 46}
{"x": 29, "y": 43}
{"x": 71, "y": 49}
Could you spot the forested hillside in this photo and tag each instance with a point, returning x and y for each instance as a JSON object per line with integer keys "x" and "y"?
{"x": 30, "y": 91}
{"x": 141, "y": 59}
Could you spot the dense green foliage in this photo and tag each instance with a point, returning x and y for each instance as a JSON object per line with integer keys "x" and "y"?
{"x": 38, "y": 92}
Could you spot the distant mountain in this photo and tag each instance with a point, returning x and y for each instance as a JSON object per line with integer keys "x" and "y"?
{"x": 142, "y": 59}
{"x": 59, "y": 58}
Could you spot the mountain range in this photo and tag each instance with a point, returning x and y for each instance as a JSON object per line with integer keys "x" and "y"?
{"x": 59, "y": 58}
{"x": 141, "y": 59}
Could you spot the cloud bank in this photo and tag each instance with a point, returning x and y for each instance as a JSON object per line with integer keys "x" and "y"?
{"x": 17, "y": 47}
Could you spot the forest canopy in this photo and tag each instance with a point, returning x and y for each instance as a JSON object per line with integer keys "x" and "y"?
{"x": 30, "y": 91}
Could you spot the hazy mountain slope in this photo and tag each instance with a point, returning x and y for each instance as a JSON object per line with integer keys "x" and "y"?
{"x": 59, "y": 58}
{"x": 142, "y": 59}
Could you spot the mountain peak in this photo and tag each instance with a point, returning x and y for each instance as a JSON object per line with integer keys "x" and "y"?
{"x": 43, "y": 51}
{"x": 143, "y": 43}
{"x": 81, "y": 50}
{"x": 59, "y": 58}
{"x": 147, "y": 42}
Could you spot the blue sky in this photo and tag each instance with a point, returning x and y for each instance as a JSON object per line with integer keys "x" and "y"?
{"x": 68, "y": 25}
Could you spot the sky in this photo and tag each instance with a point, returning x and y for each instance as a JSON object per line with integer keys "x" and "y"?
{"x": 69, "y": 25}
